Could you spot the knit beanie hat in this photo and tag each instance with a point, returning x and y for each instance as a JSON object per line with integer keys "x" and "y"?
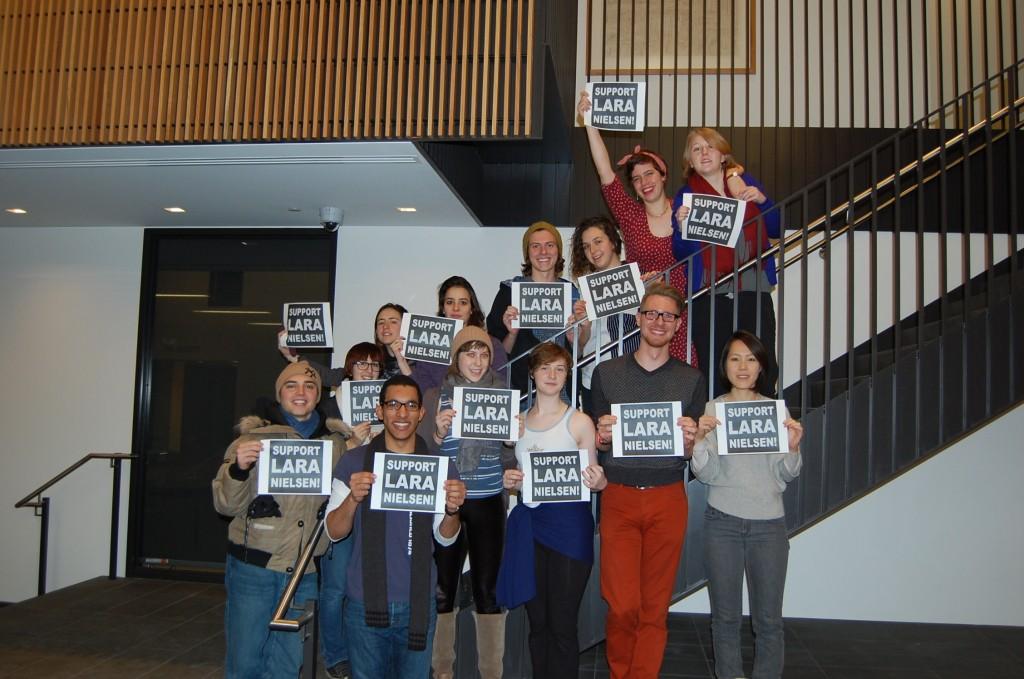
{"x": 297, "y": 369}
{"x": 534, "y": 228}
{"x": 469, "y": 333}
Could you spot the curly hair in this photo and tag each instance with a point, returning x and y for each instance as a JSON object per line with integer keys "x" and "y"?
{"x": 579, "y": 264}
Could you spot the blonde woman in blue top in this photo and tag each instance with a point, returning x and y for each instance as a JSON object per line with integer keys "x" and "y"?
{"x": 745, "y": 522}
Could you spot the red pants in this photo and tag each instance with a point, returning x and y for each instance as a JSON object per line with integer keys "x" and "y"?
{"x": 642, "y": 534}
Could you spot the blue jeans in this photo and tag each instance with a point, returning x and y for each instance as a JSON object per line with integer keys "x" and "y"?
{"x": 377, "y": 652}
{"x": 253, "y": 651}
{"x": 733, "y": 546}
{"x": 333, "y": 579}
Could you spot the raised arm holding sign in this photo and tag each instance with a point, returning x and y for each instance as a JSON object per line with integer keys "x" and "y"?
{"x": 308, "y": 325}
{"x": 616, "y": 106}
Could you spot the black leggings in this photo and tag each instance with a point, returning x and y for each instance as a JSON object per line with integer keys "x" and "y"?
{"x": 553, "y": 613}
{"x": 483, "y": 534}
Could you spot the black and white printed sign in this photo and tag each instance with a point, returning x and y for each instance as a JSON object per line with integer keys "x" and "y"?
{"x": 308, "y": 325}
{"x": 616, "y": 106}
{"x": 545, "y": 306}
{"x": 751, "y": 427}
{"x": 409, "y": 483}
{"x": 647, "y": 429}
{"x": 555, "y": 476}
{"x": 429, "y": 338}
{"x": 358, "y": 400}
{"x": 294, "y": 467}
{"x": 612, "y": 291}
{"x": 713, "y": 219}
{"x": 488, "y": 414}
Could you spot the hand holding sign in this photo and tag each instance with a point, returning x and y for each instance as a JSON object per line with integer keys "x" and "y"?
{"x": 308, "y": 325}
{"x": 796, "y": 433}
{"x": 454, "y": 495}
{"x": 359, "y": 485}
{"x": 612, "y": 291}
{"x": 753, "y": 427}
{"x": 247, "y": 453}
{"x": 614, "y": 105}
{"x": 412, "y": 483}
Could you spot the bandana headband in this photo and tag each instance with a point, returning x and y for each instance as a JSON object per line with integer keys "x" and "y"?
{"x": 637, "y": 151}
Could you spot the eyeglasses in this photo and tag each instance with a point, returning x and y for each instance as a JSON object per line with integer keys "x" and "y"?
{"x": 394, "y": 405}
{"x": 652, "y": 315}
{"x": 367, "y": 364}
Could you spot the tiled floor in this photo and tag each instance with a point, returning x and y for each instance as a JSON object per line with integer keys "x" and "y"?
{"x": 150, "y": 628}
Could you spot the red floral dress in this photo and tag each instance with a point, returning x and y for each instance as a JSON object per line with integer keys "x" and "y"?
{"x": 650, "y": 252}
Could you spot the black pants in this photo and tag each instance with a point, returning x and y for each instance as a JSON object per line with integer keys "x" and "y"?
{"x": 483, "y": 536}
{"x": 710, "y": 345}
{"x": 553, "y": 613}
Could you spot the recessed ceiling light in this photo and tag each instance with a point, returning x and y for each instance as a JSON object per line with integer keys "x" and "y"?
{"x": 17, "y": 211}
{"x": 174, "y": 210}
{"x": 406, "y": 209}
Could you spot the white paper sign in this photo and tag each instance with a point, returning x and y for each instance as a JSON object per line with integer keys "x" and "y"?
{"x": 409, "y": 483}
{"x": 294, "y": 467}
{"x": 713, "y": 219}
{"x": 308, "y": 325}
{"x": 358, "y": 400}
{"x": 751, "y": 427}
{"x": 489, "y": 414}
{"x": 543, "y": 306}
{"x": 612, "y": 291}
{"x": 616, "y": 106}
{"x": 429, "y": 338}
{"x": 555, "y": 476}
{"x": 647, "y": 430}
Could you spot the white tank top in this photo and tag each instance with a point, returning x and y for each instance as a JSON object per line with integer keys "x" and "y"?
{"x": 555, "y": 437}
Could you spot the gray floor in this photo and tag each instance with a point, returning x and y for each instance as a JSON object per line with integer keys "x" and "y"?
{"x": 149, "y": 628}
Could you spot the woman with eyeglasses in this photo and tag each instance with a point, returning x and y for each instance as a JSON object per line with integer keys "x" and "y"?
{"x": 481, "y": 466}
{"x": 711, "y": 169}
{"x": 456, "y": 299}
{"x": 550, "y": 546}
{"x": 362, "y": 362}
{"x": 745, "y": 522}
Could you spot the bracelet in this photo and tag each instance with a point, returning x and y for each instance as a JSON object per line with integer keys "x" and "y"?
{"x": 454, "y": 513}
{"x": 732, "y": 173}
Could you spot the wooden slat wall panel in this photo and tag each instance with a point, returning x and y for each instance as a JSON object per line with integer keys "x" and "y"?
{"x": 171, "y": 71}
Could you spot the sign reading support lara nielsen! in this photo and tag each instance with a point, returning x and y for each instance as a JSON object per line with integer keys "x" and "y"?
{"x": 616, "y": 106}
{"x": 294, "y": 467}
{"x": 429, "y": 338}
{"x": 488, "y": 414}
{"x": 541, "y": 305}
{"x": 713, "y": 219}
{"x": 409, "y": 483}
{"x": 647, "y": 429}
{"x": 612, "y": 291}
{"x": 308, "y": 325}
{"x": 555, "y": 476}
{"x": 751, "y": 427}
{"x": 358, "y": 400}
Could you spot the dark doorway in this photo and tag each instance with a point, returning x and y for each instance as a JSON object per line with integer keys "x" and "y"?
{"x": 210, "y": 310}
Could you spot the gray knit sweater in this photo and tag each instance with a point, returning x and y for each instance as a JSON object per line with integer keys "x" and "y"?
{"x": 623, "y": 380}
{"x": 747, "y": 486}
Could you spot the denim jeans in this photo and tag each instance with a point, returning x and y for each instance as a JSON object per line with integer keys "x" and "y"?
{"x": 733, "y": 546}
{"x": 253, "y": 651}
{"x": 333, "y": 579}
{"x": 377, "y": 652}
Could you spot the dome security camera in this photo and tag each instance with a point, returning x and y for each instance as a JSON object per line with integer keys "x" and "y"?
{"x": 330, "y": 218}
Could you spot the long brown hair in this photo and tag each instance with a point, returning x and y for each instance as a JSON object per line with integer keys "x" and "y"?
{"x": 580, "y": 265}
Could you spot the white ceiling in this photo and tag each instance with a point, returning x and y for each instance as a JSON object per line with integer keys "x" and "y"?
{"x": 226, "y": 185}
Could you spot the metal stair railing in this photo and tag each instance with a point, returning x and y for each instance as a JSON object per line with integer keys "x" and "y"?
{"x": 41, "y": 505}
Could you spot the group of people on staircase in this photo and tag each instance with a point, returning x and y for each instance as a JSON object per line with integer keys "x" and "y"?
{"x": 388, "y": 582}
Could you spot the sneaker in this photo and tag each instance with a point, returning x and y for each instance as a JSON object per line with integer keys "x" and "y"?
{"x": 340, "y": 671}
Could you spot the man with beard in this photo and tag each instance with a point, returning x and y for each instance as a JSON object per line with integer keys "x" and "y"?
{"x": 644, "y": 507}
{"x": 389, "y": 606}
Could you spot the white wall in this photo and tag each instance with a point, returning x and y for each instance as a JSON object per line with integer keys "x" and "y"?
{"x": 69, "y": 304}
{"x": 941, "y": 544}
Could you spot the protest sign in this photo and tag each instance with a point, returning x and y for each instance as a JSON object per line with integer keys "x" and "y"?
{"x": 545, "y": 306}
{"x": 647, "y": 429}
{"x": 488, "y": 414}
{"x": 409, "y": 483}
{"x": 713, "y": 219}
{"x": 429, "y": 338}
{"x": 358, "y": 400}
{"x": 612, "y": 291}
{"x": 294, "y": 467}
{"x": 751, "y": 427}
{"x": 616, "y": 106}
{"x": 555, "y": 476}
{"x": 308, "y": 325}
